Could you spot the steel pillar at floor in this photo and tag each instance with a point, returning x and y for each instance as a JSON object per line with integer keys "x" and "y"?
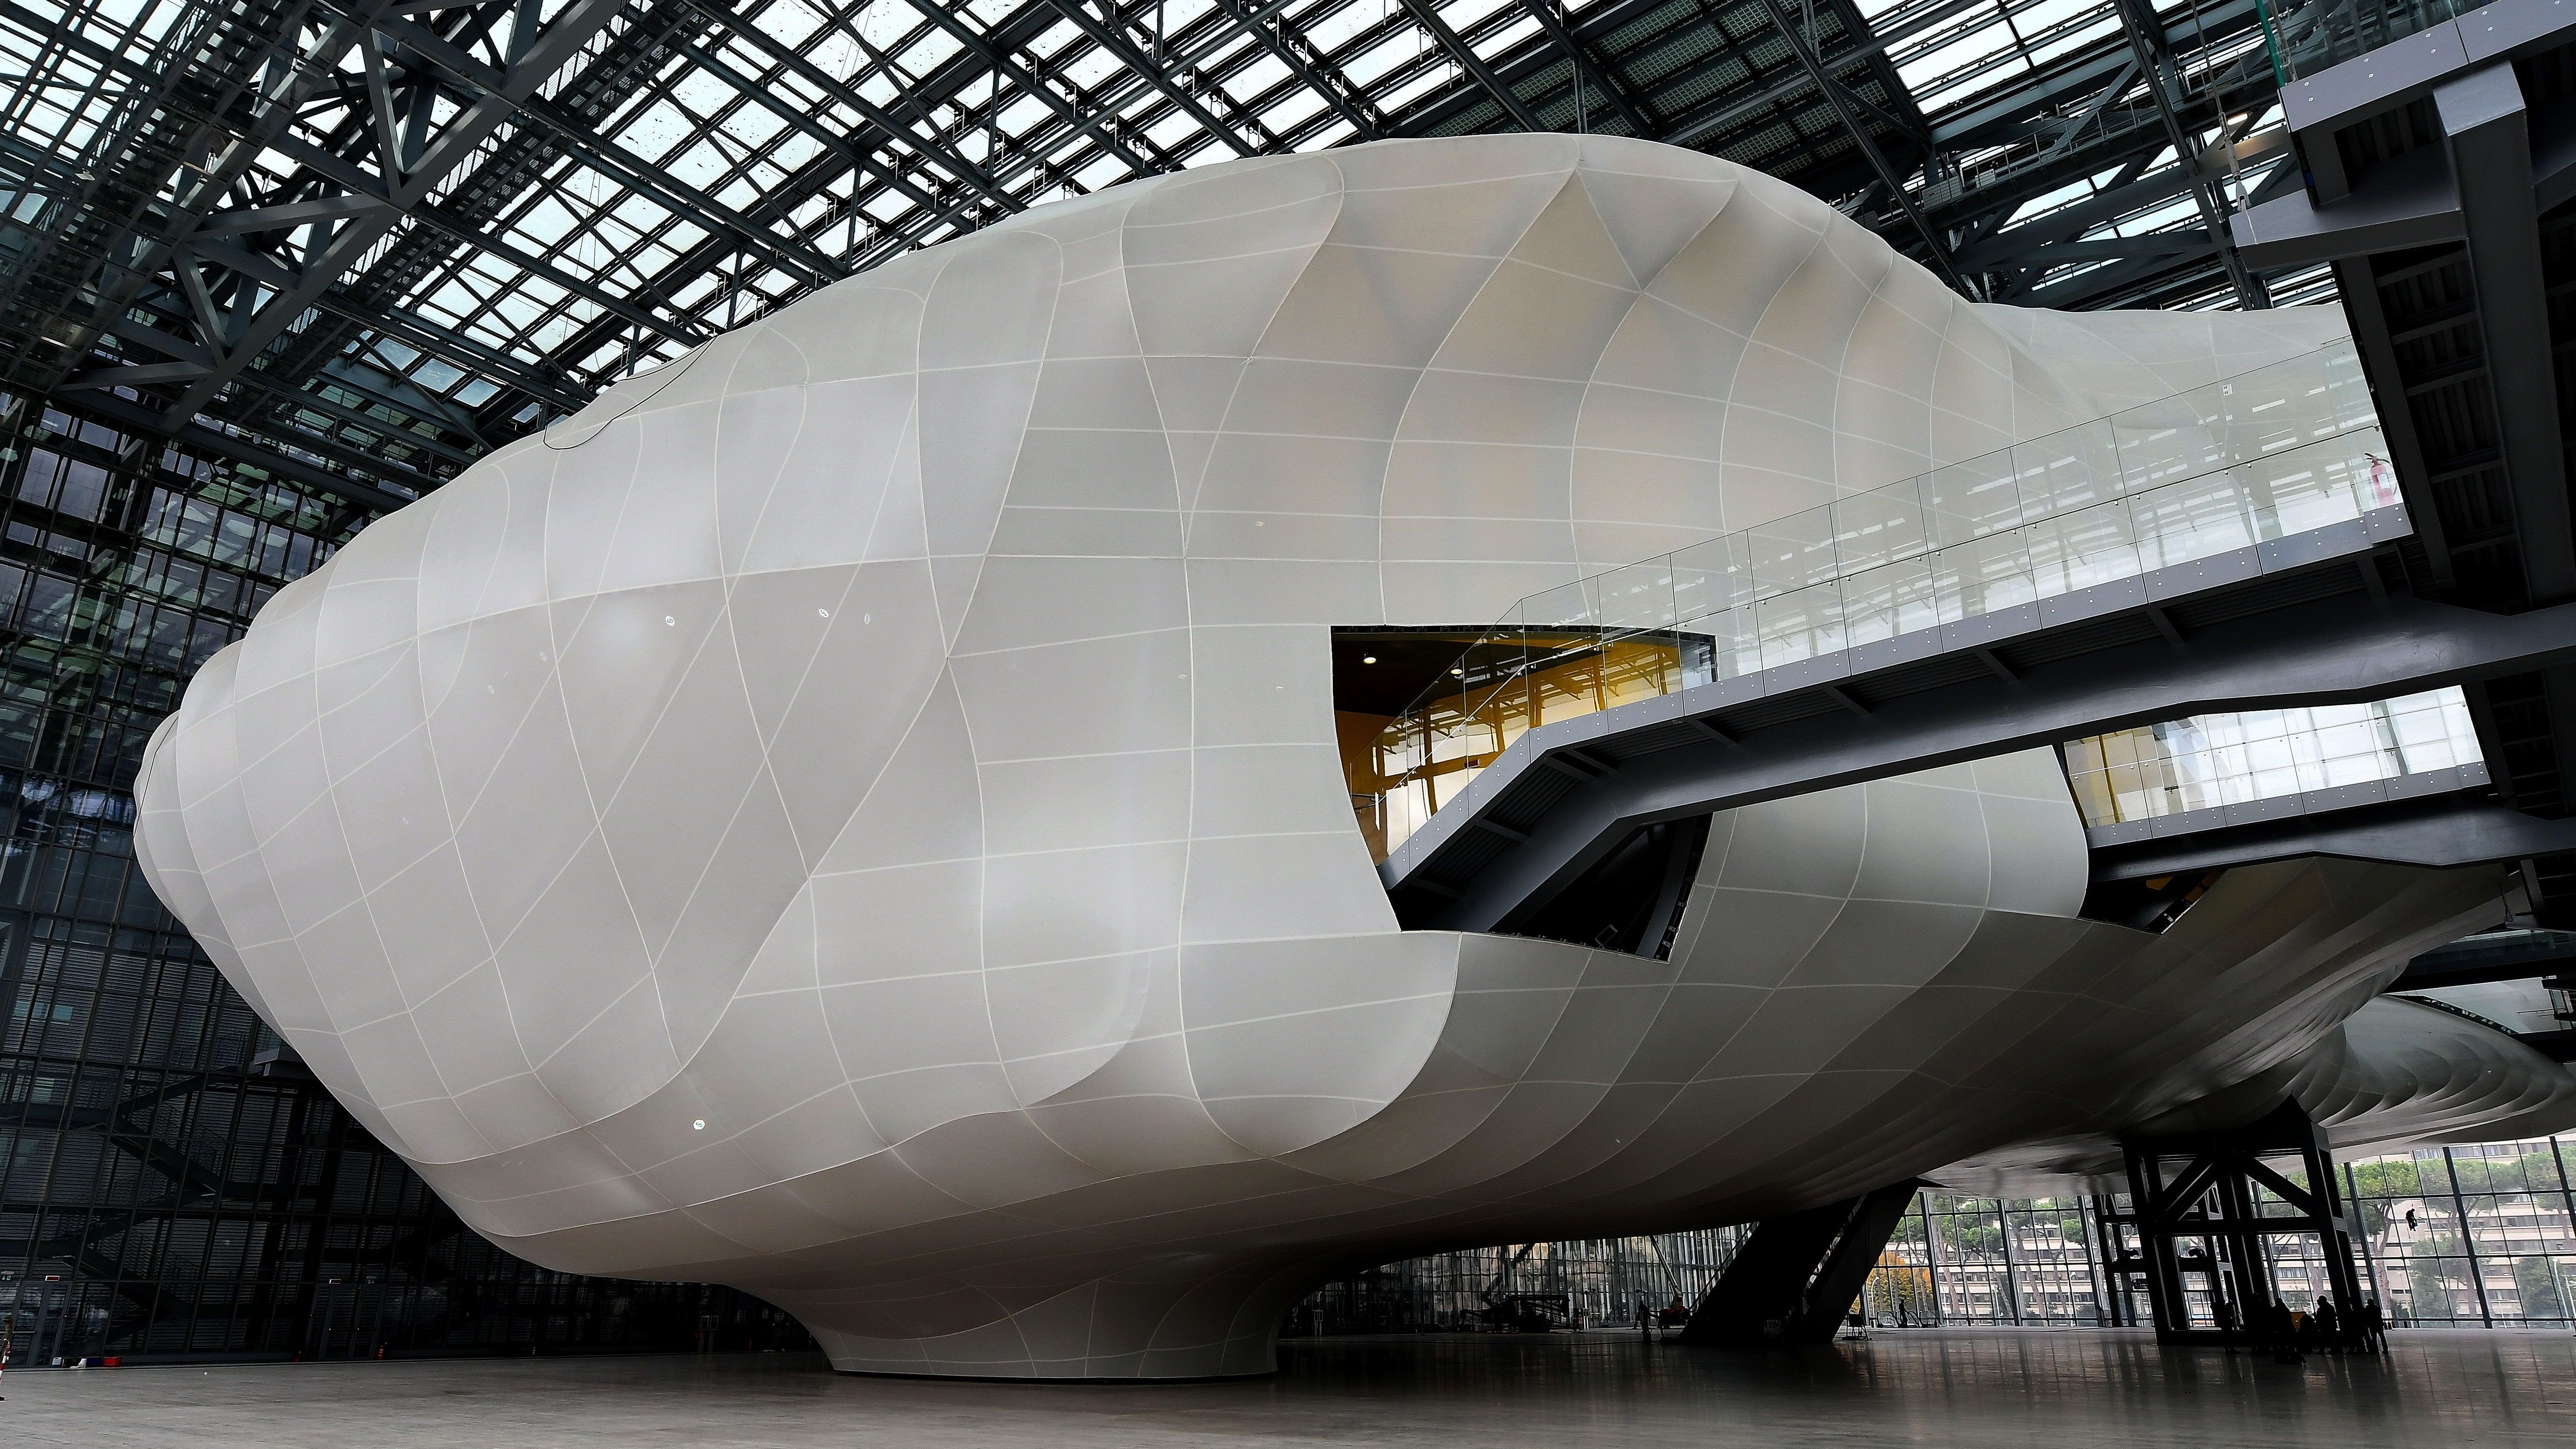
{"x": 2196, "y": 1215}
{"x": 1796, "y": 1277}
{"x": 2124, "y": 1263}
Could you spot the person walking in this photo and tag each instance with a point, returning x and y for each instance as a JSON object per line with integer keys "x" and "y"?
{"x": 2327, "y": 1322}
{"x": 2284, "y": 1326}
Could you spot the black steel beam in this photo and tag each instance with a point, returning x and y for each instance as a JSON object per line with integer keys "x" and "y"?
{"x": 2558, "y": 1046}
{"x": 1099, "y": 126}
{"x": 2333, "y": 650}
{"x": 2502, "y": 956}
{"x": 1791, "y": 1282}
{"x": 1266, "y": 25}
{"x": 1107, "y": 37}
{"x": 2155, "y": 57}
{"x": 1592, "y": 71}
{"x": 1426, "y": 16}
{"x": 2437, "y": 831}
{"x": 1936, "y": 247}
{"x": 456, "y": 144}
{"x": 241, "y": 450}
{"x": 2490, "y": 151}
{"x": 947, "y": 157}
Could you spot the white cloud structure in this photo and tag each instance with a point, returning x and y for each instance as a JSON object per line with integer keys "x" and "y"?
{"x": 856, "y": 814}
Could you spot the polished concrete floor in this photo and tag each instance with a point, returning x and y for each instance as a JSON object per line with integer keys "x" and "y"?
{"x": 1970, "y": 1387}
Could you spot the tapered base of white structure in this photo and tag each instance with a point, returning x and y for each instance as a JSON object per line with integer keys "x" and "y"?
{"x": 1182, "y": 1319}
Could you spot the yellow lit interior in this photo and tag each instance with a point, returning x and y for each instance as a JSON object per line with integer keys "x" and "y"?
{"x": 1403, "y": 768}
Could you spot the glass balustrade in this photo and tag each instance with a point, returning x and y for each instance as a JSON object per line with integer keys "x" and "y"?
{"x": 2202, "y": 762}
{"x": 2318, "y": 36}
{"x": 2264, "y": 455}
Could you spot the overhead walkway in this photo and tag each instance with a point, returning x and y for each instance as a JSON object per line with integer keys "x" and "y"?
{"x": 2443, "y": 818}
{"x": 2544, "y": 959}
{"x": 2223, "y": 549}
{"x": 2397, "y": 780}
{"x": 2512, "y": 955}
{"x": 2440, "y": 176}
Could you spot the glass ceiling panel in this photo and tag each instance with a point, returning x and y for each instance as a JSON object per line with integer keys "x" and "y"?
{"x": 693, "y": 163}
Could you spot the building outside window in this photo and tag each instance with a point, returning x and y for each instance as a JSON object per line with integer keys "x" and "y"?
{"x": 2459, "y": 1237}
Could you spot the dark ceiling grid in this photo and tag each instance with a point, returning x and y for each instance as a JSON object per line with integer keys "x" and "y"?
{"x": 385, "y": 332}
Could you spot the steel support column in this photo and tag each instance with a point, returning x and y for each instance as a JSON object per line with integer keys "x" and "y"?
{"x": 2490, "y": 146}
{"x": 2201, "y": 1189}
{"x": 1794, "y": 1279}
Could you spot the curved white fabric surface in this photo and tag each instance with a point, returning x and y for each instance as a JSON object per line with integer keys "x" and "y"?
{"x": 2392, "y": 1074}
{"x": 856, "y": 814}
{"x": 2400, "y": 1073}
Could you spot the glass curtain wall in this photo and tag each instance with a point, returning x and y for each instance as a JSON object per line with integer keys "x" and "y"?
{"x": 173, "y": 1184}
{"x": 1593, "y": 1282}
{"x": 1956, "y": 1259}
{"x": 2456, "y": 1237}
{"x": 2206, "y": 761}
{"x": 2477, "y": 1236}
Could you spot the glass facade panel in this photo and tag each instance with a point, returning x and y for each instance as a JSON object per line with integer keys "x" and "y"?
{"x": 2461, "y": 1237}
{"x": 2475, "y": 1235}
{"x": 1591, "y": 1282}
{"x": 2212, "y": 760}
{"x": 1961, "y": 1259}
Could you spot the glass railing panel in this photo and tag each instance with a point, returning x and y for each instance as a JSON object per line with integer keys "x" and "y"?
{"x": 2071, "y": 468}
{"x": 1793, "y": 552}
{"x": 1562, "y": 678}
{"x": 1695, "y": 656}
{"x": 1711, "y": 578}
{"x": 1567, "y": 606}
{"x": 2432, "y": 731}
{"x": 2273, "y": 452}
{"x": 2070, "y": 551}
{"x": 2308, "y": 488}
{"x": 1404, "y": 803}
{"x": 2194, "y": 519}
{"x": 2315, "y": 37}
{"x": 2156, "y": 450}
{"x": 1502, "y": 711}
{"x": 2280, "y": 407}
{"x": 1892, "y": 599}
{"x": 2247, "y": 410}
{"x": 2173, "y": 437}
{"x": 1493, "y": 683}
{"x": 1800, "y": 624}
{"x": 1635, "y": 599}
{"x": 1985, "y": 575}
{"x": 1640, "y": 666}
{"x": 2093, "y": 796}
{"x": 1879, "y": 527}
{"x": 1735, "y": 645}
{"x": 1970, "y": 500}
{"x": 2349, "y": 388}
{"x": 2130, "y": 791}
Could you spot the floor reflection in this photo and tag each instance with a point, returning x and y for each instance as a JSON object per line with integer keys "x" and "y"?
{"x": 1951, "y": 1386}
